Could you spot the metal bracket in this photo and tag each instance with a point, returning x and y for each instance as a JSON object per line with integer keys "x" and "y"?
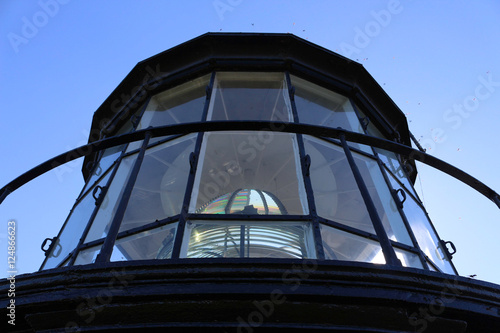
{"x": 192, "y": 162}
{"x": 135, "y": 120}
{"x": 90, "y": 165}
{"x": 397, "y": 137}
{"x": 403, "y": 194}
{"x": 365, "y": 122}
{"x": 408, "y": 167}
{"x": 307, "y": 165}
{"x": 208, "y": 91}
{"x": 51, "y": 245}
{"x": 445, "y": 248}
{"x": 98, "y": 199}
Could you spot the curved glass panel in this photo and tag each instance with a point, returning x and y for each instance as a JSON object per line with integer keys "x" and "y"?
{"x": 408, "y": 259}
{"x": 161, "y": 183}
{"x": 73, "y": 228}
{"x": 341, "y": 245}
{"x": 151, "y": 244}
{"x": 178, "y": 105}
{"x": 319, "y": 106}
{"x": 262, "y": 161}
{"x": 108, "y": 157}
{"x": 427, "y": 239}
{"x": 392, "y": 163}
{"x": 250, "y": 96}
{"x": 236, "y": 239}
{"x": 87, "y": 256}
{"x": 382, "y": 198}
{"x": 336, "y": 193}
{"x": 107, "y": 209}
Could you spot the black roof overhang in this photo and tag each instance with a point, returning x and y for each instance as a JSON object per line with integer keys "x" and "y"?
{"x": 249, "y": 51}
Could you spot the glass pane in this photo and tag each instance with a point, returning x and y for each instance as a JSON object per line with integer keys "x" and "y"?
{"x": 336, "y": 193}
{"x": 319, "y": 106}
{"x": 107, "y": 210}
{"x": 181, "y": 104}
{"x": 431, "y": 267}
{"x": 161, "y": 183}
{"x": 178, "y": 105}
{"x": 383, "y": 200}
{"x": 151, "y": 244}
{"x": 223, "y": 239}
{"x": 108, "y": 157}
{"x": 250, "y": 96}
{"x": 392, "y": 163}
{"x": 87, "y": 256}
{"x": 408, "y": 259}
{"x": 73, "y": 229}
{"x": 427, "y": 239}
{"x": 340, "y": 245}
{"x": 240, "y": 172}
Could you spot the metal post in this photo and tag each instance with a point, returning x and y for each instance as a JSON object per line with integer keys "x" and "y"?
{"x": 107, "y": 247}
{"x": 385, "y": 243}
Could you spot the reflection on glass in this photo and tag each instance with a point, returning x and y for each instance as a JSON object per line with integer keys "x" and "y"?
{"x": 73, "y": 228}
{"x": 250, "y": 96}
{"x": 319, "y": 106}
{"x": 267, "y": 162}
{"x": 87, "y": 256}
{"x": 336, "y": 193}
{"x": 392, "y": 163}
{"x": 382, "y": 198}
{"x": 161, "y": 183}
{"x": 107, "y": 210}
{"x": 408, "y": 259}
{"x": 340, "y": 245}
{"x": 151, "y": 244}
{"x": 244, "y": 201}
{"x": 221, "y": 239}
{"x": 427, "y": 239}
{"x": 178, "y": 105}
{"x": 107, "y": 158}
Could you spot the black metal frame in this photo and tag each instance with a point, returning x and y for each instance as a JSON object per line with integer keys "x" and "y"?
{"x": 213, "y": 126}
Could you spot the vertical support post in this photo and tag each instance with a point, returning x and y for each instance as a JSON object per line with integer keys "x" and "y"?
{"x": 305, "y": 162}
{"x": 385, "y": 243}
{"x": 401, "y": 212}
{"x": 181, "y": 226}
{"x": 107, "y": 247}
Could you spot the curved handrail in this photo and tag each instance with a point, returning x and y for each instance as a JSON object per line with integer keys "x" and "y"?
{"x": 274, "y": 126}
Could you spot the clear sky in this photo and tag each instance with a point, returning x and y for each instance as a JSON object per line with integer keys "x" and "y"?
{"x": 438, "y": 60}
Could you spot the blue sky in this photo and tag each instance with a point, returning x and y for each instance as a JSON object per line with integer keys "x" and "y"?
{"x": 438, "y": 60}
